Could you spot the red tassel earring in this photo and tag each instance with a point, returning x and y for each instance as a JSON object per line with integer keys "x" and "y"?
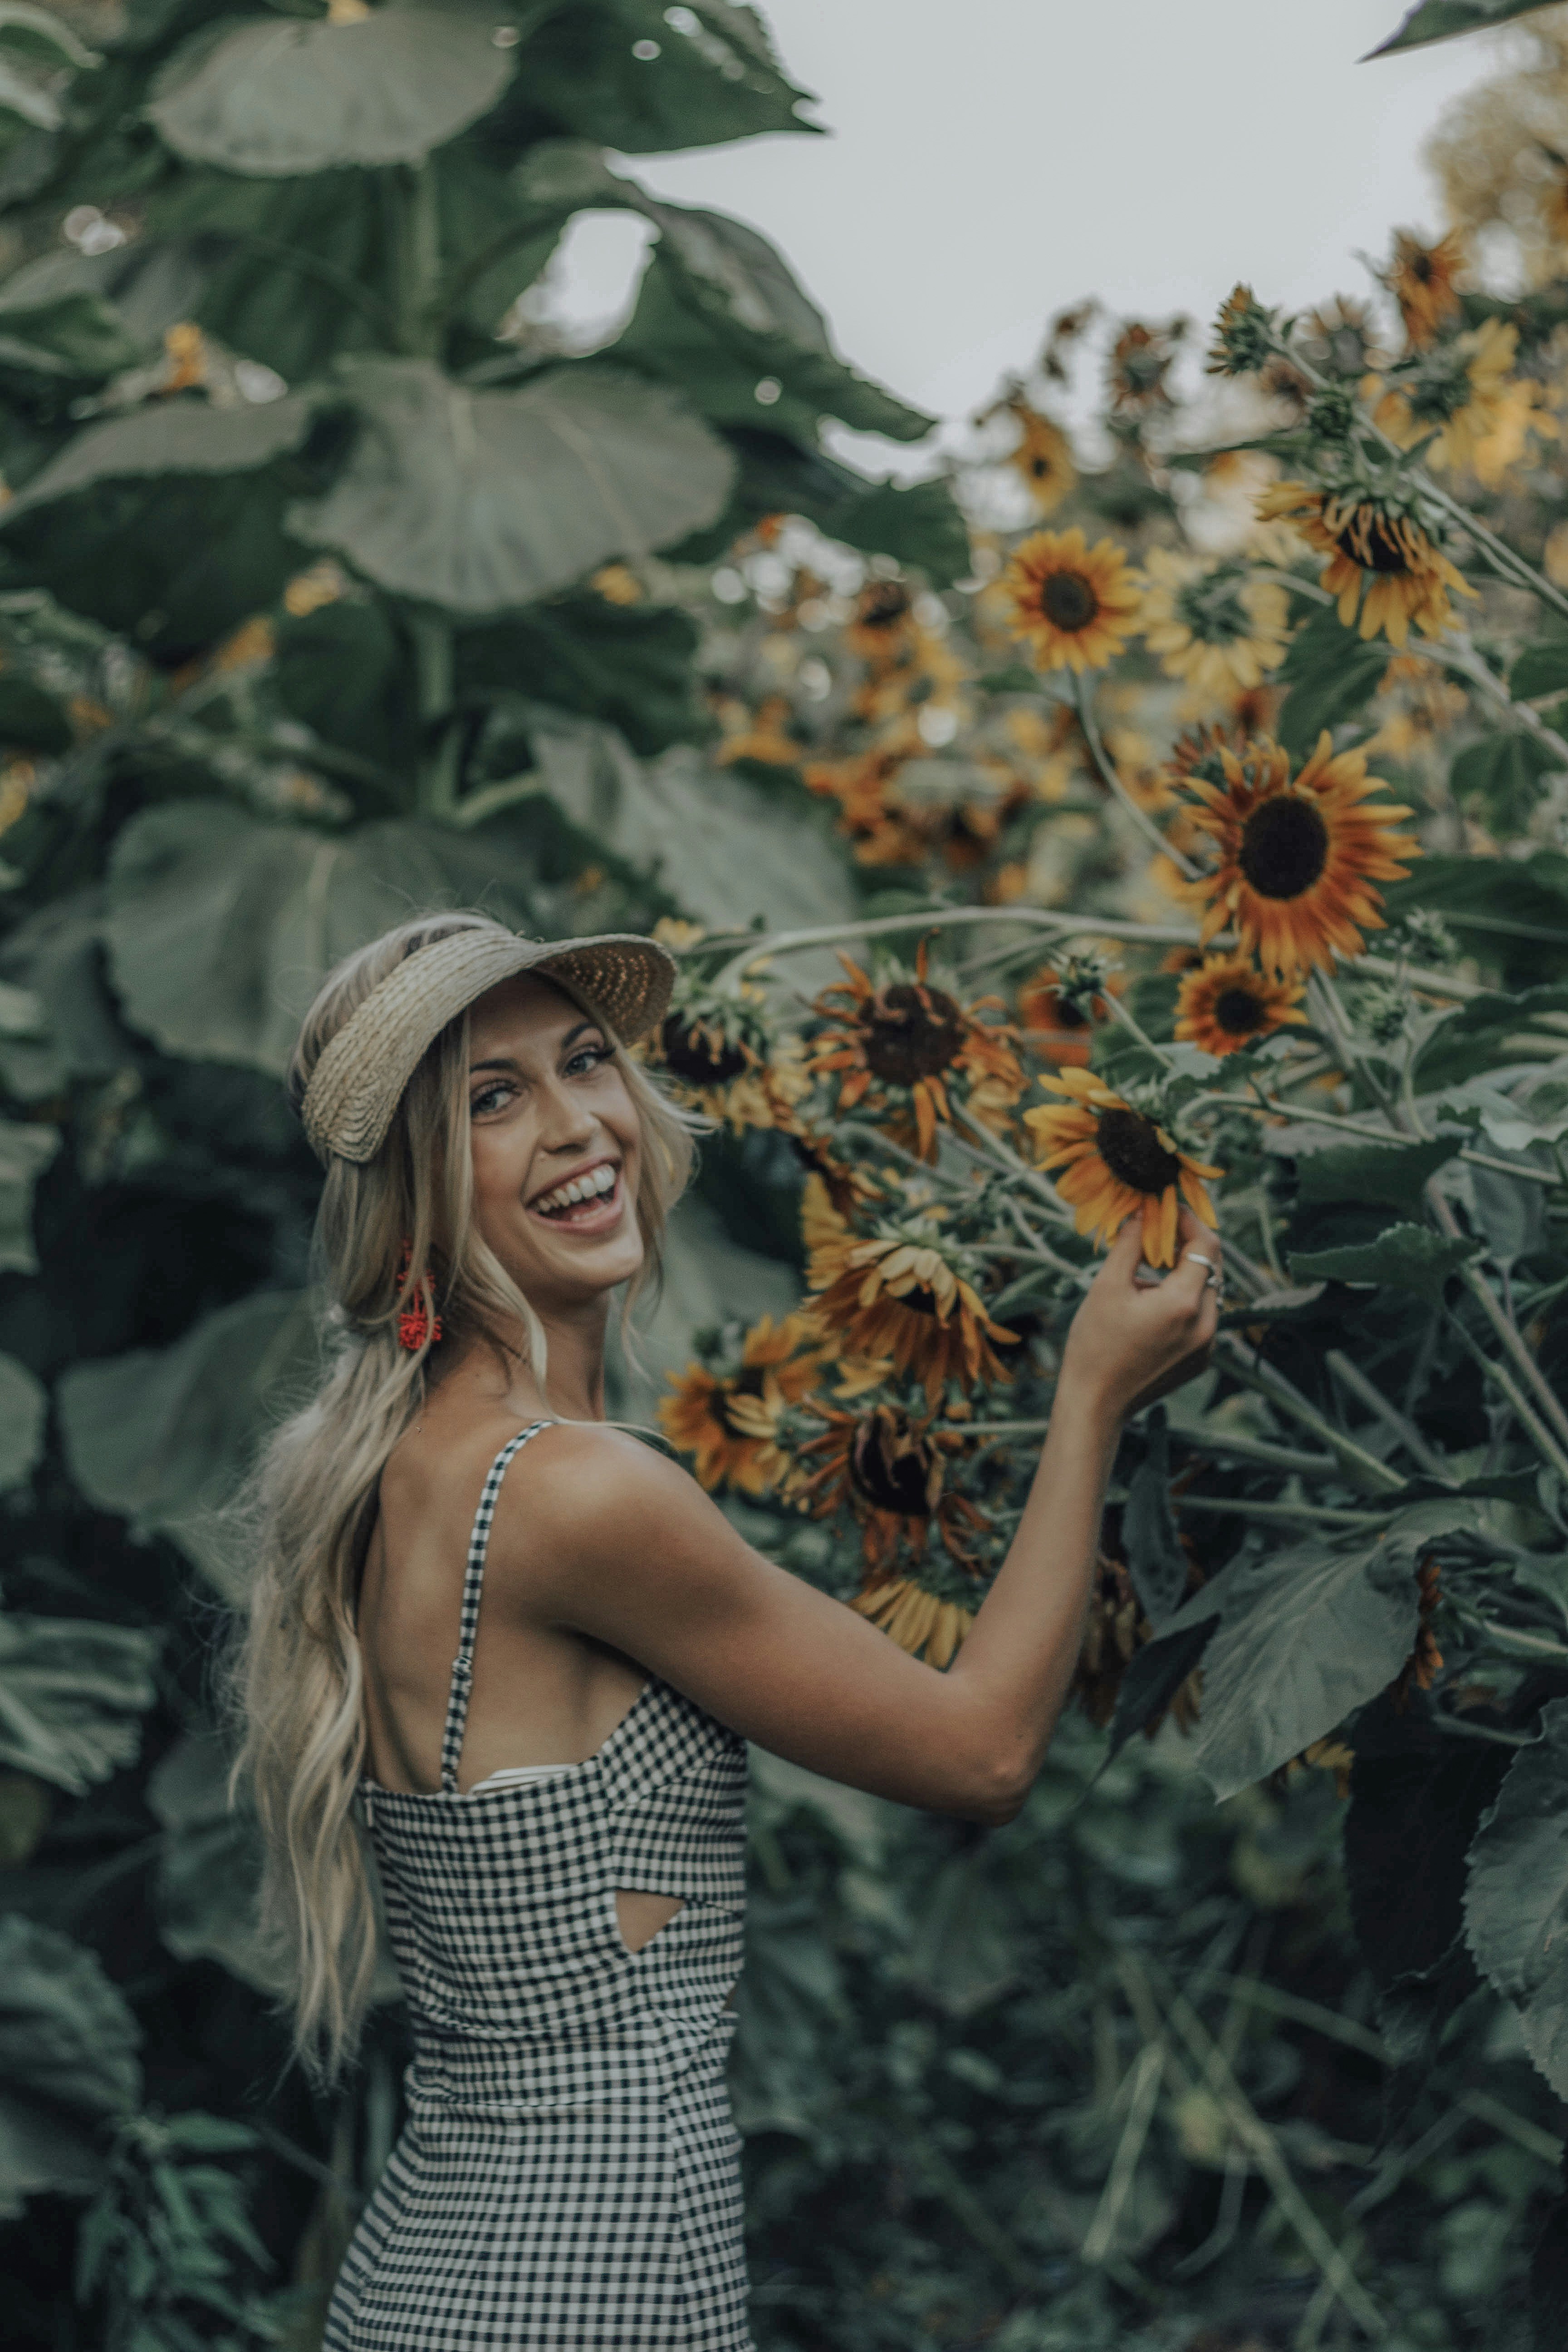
{"x": 416, "y": 1322}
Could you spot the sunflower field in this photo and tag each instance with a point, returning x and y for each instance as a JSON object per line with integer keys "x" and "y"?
{"x": 1163, "y": 800}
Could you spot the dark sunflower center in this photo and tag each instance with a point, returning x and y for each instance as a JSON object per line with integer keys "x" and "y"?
{"x": 890, "y": 1465}
{"x": 1238, "y": 1012}
{"x": 1130, "y": 1147}
{"x": 1068, "y": 600}
{"x": 701, "y": 1059}
{"x": 1284, "y": 847}
{"x": 1371, "y": 541}
{"x": 884, "y": 607}
{"x": 911, "y": 1032}
{"x": 747, "y": 1382}
{"x": 1040, "y": 467}
{"x": 1065, "y": 1015}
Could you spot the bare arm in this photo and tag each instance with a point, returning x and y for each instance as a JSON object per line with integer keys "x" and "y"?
{"x": 607, "y": 1537}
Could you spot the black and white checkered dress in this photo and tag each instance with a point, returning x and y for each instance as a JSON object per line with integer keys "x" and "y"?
{"x": 569, "y": 2176}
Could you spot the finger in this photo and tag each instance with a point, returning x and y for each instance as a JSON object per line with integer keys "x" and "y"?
{"x": 1195, "y": 1267}
{"x": 1125, "y": 1255}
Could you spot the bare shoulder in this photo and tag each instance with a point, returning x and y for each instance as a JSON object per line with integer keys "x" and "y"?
{"x": 590, "y": 1497}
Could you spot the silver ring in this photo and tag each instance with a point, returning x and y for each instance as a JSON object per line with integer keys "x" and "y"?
{"x": 1199, "y": 1259}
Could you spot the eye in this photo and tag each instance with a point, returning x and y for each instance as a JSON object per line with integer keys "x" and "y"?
{"x": 586, "y": 1058}
{"x": 490, "y": 1097}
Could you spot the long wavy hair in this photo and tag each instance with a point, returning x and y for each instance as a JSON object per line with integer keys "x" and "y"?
{"x": 310, "y": 1508}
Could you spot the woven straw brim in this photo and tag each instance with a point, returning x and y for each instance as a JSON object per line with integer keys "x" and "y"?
{"x": 359, "y": 1079}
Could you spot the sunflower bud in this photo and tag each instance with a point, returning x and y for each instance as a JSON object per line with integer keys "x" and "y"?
{"x": 1244, "y": 335}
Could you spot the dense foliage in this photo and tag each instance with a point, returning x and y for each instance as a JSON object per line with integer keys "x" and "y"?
{"x": 1184, "y": 794}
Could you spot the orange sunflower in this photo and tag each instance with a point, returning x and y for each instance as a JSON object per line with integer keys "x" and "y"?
{"x": 1227, "y": 1004}
{"x": 1297, "y": 859}
{"x": 1042, "y": 456}
{"x": 1119, "y": 1164}
{"x": 884, "y": 622}
{"x": 900, "y": 1295}
{"x": 888, "y": 1469}
{"x": 902, "y": 1046}
{"x": 1075, "y": 605}
{"x": 915, "y": 1619}
{"x": 717, "y": 1054}
{"x": 1371, "y": 544}
{"x": 1423, "y": 280}
{"x": 1456, "y": 392}
{"x": 730, "y": 1422}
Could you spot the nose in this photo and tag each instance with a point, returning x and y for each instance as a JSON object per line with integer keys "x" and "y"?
{"x": 566, "y": 1123}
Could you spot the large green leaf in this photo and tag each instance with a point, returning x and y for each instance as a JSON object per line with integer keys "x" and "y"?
{"x": 583, "y": 75}
{"x": 630, "y": 667}
{"x": 1306, "y": 1636}
{"x": 64, "y": 343}
{"x": 1440, "y": 20}
{"x": 344, "y": 670}
{"x": 481, "y": 501}
{"x": 1391, "y": 1175}
{"x": 1405, "y": 1257}
{"x": 68, "y": 2063}
{"x": 1499, "y": 779}
{"x": 25, "y": 1152}
{"x": 210, "y": 1866}
{"x": 55, "y": 956}
{"x": 221, "y": 926}
{"x": 167, "y": 437}
{"x": 285, "y": 96}
{"x": 1329, "y": 674}
{"x": 24, "y": 1411}
{"x": 1509, "y": 911}
{"x": 165, "y": 1435}
{"x": 72, "y": 1695}
{"x": 1516, "y": 1904}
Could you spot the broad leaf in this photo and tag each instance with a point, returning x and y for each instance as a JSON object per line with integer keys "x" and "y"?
{"x": 24, "y": 1411}
{"x": 1516, "y": 1904}
{"x": 481, "y": 501}
{"x": 1500, "y": 779}
{"x": 1441, "y": 20}
{"x": 165, "y": 1436}
{"x": 1156, "y": 1561}
{"x": 966, "y": 1948}
{"x": 281, "y": 97}
{"x": 24, "y": 1153}
{"x": 345, "y": 671}
{"x": 1391, "y": 1175}
{"x": 1417, "y": 1795}
{"x": 629, "y": 666}
{"x": 1509, "y": 911}
{"x": 210, "y": 1867}
{"x": 72, "y": 1695}
{"x": 1405, "y": 1257}
{"x": 55, "y": 955}
{"x": 582, "y": 77}
{"x": 53, "y": 347}
{"x": 1541, "y": 669}
{"x": 1329, "y": 674}
{"x": 68, "y": 2063}
{"x": 166, "y": 437}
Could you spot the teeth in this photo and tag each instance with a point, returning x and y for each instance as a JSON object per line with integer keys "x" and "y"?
{"x": 581, "y": 1188}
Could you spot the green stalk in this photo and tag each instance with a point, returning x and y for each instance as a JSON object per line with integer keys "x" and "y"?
{"x": 1084, "y": 697}
{"x": 435, "y": 790}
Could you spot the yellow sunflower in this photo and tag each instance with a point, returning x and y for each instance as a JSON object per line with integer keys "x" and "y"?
{"x": 900, "y": 1296}
{"x": 1423, "y": 280}
{"x": 1228, "y": 1004}
{"x": 1043, "y": 457}
{"x": 903, "y": 1046}
{"x": 915, "y": 1619}
{"x": 1213, "y": 624}
{"x": 1118, "y": 1163}
{"x": 729, "y": 1424}
{"x": 884, "y": 622}
{"x": 1075, "y": 605}
{"x": 888, "y": 1469}
{"x": 1456, "y": 391}
{"x": 1374, "y": 547}
{"x": 1297, "y": 859}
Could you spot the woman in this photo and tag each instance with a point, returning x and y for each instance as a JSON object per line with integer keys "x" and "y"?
{"x": 552, "y": 1781}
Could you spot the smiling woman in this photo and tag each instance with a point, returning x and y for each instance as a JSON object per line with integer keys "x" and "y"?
{"x": 523, "y": 1704}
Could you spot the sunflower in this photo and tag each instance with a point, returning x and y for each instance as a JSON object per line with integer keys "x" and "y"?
{"x": 730, "y": 1422}
{"x": 879, "y": 832}
{"x": 717, "y": 1053}
{"x": 884, "y": 622}
{"x": 1422, "y": 280}
{"x": 1455, "y": 392}
{"x": 763, "y": 735}
{"x": 1213, "y": 624}
{"x": 1057, "y": 1023}
{"x": 1043, "y": 457}
{"x": 1136, "y": 370}
{"x": 900, "y": 1295}
{"x": 1338, "y": 339}
{"x": 903, "y": 1046}
{"x": 1227, "y": 1005}
{"x": 1373, "y": 545}
{"x": 1075, "y": 605}
{"x": 888, "y": 1469}
{"x": 1119, "y": 1163}
{"x": 915, "y": 1619}
{"x": 1297, "y": 859}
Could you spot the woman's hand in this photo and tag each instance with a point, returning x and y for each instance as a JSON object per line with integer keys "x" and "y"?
{"x": 1133, "y": 1341}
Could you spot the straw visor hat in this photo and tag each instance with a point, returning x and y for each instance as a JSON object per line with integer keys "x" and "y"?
{"x": 359, "y": 1075}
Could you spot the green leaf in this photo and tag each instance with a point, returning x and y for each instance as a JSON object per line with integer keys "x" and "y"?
{"x": 25, "y": 1152}
{"x": 1391, "y": 1175}
{"x": 1499, "y": 778}
{"x": 481, "y": 501}
{"x": 1441, "y": 20}
{"x": 56, "y": 346}
{"x": 72, "y": 1695}
{"x": 40, "y": 37}
{"x": 24, "y": 1412}
{"x": 966, "y": 1951}
{"x": 1509, "y": 910}
{"x": 1156, "y": 1561}
{"x": 1516, "y": 1903}
{"x": 1331, "y": 674}
{"x": 344, "y": 670}
{"x": 68, "y": 2062}
{"x": 1405, "y": 1257}
{"x": 276, "y": 99}
{"x": 31, "y": 719}
{"x": 580, "y": 79}
{"x": 164, "y": 1436}
{"x": 921, "y": 525}
{"x": 221, "y": 928}
{"x": 628, "y": 665}
{"x": 166, "y": 437}
{"x": 1541, "y": 669}
{"x": 55, "y": 955}
{"x": 210, "y": 1867}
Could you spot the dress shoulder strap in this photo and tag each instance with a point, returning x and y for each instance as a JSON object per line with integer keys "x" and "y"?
{"x": 473, "y": 1585}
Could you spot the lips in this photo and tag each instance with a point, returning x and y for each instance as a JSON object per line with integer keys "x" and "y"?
{"x": 589, "y": 1199}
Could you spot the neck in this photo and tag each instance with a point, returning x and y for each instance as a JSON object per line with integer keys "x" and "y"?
{"x": 573, "y": 1384}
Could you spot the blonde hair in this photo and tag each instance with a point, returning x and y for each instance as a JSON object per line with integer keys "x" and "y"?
{"x": 311, "y": 1506}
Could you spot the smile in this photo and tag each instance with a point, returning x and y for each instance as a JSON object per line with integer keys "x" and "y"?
{"x": 590, "y": 1200}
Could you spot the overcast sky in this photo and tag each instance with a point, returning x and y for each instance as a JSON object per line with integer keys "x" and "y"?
{"x": 991, "y": 161}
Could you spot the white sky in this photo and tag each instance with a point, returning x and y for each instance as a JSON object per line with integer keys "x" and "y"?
{"x": 991, "y": 160}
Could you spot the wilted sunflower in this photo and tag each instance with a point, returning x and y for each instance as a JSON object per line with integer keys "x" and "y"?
{"x": 915, "y": 1619}
{"x": 1213, "y": 624}
{"x": 900, "y": 1295}
{"x": 888, "y": 1469}
{"x": 1074, "y": 604}
{"x": 729, "y": 1424}
{"x": 1228, "y": 1004}
{"x": 1118, "y": 1163}
{"x": 717, "y": 1053}
{"x": 1297, "y": 859}
{"x": 901, "y": 1046}
{"x": 1043, "y": 457}
{"x": 1422, "y": 280}
{"x": 1373, "y": 545}
{"x": 1135, "y": 372}
{"x": 1456, "y": 392}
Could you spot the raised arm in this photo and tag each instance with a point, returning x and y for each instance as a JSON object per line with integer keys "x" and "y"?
{"x": 608, "y": 1538}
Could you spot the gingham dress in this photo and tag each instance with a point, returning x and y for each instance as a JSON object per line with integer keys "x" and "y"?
{"x": 569, "y": 2175}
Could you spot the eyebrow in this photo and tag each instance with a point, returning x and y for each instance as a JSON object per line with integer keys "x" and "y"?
{"x": 505, "y": 1061}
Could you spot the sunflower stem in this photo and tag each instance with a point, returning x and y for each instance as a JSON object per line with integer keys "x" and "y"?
{"x": 819, "y": 935}
{"x": 1459, "y": 651}
{"x": 1503, "y": 1323}
{"x": 1297, "y": 1115}
{"x": 1083, "y": 695}
{"x": 1489, "y": 1368}
{"x": 1118, "y": 1012}
{"x": 1249, "y": 1365}
{"x": 1328, "y": 1515}
{"x": 1352, "y": 1376}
